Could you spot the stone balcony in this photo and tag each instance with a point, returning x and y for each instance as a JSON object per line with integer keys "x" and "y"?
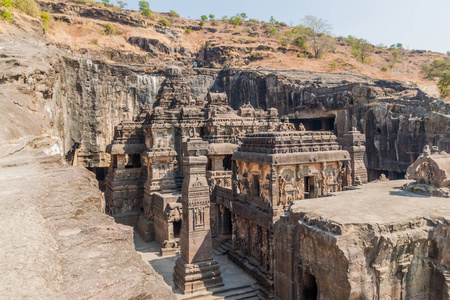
{"x": 219, "y": 178}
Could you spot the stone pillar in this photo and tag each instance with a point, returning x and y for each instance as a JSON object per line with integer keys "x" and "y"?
{"x": 353, "y": 142}
{"x": 195, "y": 270}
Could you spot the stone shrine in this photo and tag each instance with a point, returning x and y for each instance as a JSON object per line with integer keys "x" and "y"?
{"x": 431, "y": 172}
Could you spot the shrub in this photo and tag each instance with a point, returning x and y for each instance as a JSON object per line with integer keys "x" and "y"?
{"x": 188, "y": 30}
{"x": 144, "y": 8}
{"x": 299, "y": 55}
{"x": 300, "y": 42}
{"x": 6, "y": 15}
{"x": 204, "y": 17}
{"x": 109, "y": 29}
{"x": 46, "y": 18}
{"x": 384, "y": 68}
{"x": 30, "y": 7}
{"x": 94, "y": 41}
{"x": 334, "y": 64}
{"x": 201, "y": 23}
{"x": 164, "y": 22}
{"x": 174, "y": 14}
{"x": 448, "y": 53}
{"x": 236, "y": 21}
{"x": 211, "y": 16}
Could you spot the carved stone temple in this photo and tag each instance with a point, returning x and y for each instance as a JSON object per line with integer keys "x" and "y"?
{"x": 192, "y": 174}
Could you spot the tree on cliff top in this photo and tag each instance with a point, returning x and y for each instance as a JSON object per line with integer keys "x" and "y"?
{"x": 439, "y": 69}
{"x": 144, "y": 8}
{"x": 320, "y": 38}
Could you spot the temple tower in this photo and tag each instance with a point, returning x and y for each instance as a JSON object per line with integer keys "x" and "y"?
{"x": 353, "y": 141}
{"x": 196, "y": 270}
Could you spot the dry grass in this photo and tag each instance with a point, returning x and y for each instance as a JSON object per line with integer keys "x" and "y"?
{"x": 81, "y": 36}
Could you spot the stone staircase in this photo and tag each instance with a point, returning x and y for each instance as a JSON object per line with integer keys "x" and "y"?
{"x": 247, "y": 292}
{"x": 222, "y": 249}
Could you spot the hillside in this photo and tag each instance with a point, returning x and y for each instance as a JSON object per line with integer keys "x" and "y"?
{"x": 123, "y": 36}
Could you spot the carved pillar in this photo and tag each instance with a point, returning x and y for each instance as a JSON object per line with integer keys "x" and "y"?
{"x": 353, "y": 142}
{"x": 195, "y": 270}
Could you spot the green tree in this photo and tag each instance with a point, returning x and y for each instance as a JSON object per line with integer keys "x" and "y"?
{"x": 224, "y": 18}
{"x": 106, "y": 2}
{"x": 272, "y": 20}
{"x": 439, "y": 69}
{"x": 144, "y": 8}
{"x": 121, "y": 4}
{"x": 243, "y": 16}
{"x": 236, "y": 21}
{"x": 211, "y": 16}
{"x": 361, "y": 49}
{"x": 319, "y": 36}
{"x": 204, "y": 17}
{"x": 448, "y": 53}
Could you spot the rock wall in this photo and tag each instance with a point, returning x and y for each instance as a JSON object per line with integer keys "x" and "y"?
{"x": 98, "y": 95}
{"x": 404, "y": 260}
{"x": 57, "y": 242}
{"x": 397, "y": 117}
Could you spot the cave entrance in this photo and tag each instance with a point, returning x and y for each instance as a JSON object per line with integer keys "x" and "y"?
{"x": 374, "y": 174}
{"x": 316, "y": 124}
{"x": 309, "y": 291}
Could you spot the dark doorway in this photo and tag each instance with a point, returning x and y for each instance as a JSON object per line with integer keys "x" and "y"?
{"x": 318, "y": 124}
{"x": 227, "y": 162}
{"x": 308, "y": 187}
{"x": 227, "y": 226}
{"x": 309, "y": 287}
{"x": 176, "y": 229}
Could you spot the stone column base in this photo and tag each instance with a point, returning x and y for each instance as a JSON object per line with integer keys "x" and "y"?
{"x": 196, "y": 277}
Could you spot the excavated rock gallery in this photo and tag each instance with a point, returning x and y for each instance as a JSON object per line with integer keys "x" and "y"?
{"x": 165, "y": 173}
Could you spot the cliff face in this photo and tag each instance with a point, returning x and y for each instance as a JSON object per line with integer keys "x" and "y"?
{"x": 57, "y": 242}
{"x": 397, "y": 118}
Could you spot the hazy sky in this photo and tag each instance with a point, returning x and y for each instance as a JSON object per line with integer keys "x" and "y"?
{"x": 417, "y": 24}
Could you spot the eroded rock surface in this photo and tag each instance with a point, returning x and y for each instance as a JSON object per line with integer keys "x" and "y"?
{"x": 57, "y": 243}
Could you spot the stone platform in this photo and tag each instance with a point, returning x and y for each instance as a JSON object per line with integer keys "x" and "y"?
{"x": 237, "y": 284}
{"x": 375, "y": 242}
{"x": 375, "y": 203}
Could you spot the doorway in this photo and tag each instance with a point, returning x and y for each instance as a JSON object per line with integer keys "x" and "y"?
{"x": 309, "y": 291}
{"x": 309, "y": 187}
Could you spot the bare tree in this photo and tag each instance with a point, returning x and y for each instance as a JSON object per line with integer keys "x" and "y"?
{"x": 320, "y": 38}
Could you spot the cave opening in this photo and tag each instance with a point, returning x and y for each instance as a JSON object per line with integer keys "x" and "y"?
{"x": 374, "y": 174}
{"x": 315, "y": 124}
{"x": 309, "y": 291}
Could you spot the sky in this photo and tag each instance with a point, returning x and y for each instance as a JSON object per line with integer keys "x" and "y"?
{"x": 417, "y": 24}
